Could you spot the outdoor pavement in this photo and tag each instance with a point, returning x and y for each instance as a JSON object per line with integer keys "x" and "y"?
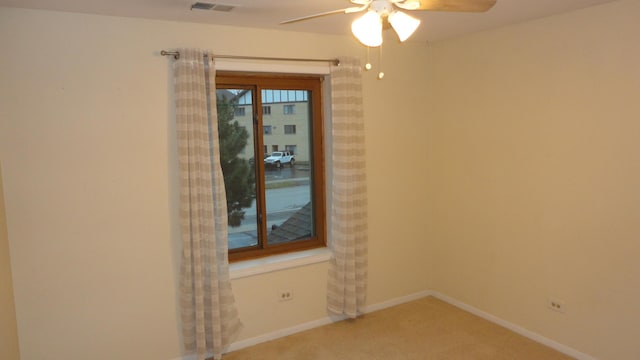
{"x": 282, "y": 202}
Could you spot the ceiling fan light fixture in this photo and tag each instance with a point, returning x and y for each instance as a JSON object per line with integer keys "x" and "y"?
{"x": 368, "y": 29}
{"x": 403, "y": 24}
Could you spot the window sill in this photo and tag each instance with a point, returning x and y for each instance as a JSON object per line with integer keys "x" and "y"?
{"x": 248, "y": 268}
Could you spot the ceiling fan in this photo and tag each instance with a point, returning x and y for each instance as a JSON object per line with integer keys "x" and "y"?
{"x": 381, "y": 13}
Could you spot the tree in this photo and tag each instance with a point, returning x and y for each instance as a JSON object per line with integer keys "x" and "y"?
{"x": 239, "y": 177}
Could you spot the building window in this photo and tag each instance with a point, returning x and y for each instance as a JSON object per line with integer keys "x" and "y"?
{"x": 293, "y": 149}
{"x": 289, "y": 109}
{"x": 239, "y": 111}
{"x": 267, "y": 215}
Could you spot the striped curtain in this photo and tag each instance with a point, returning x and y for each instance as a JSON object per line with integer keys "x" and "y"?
{"x": 348, "y": 266}
{"x": 209, "y": 317}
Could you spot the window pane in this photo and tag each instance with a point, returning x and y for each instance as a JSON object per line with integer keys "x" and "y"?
{"x": 235, "y": 127}
{"x": 288, "y": 187}
{"x": 292, "y": 149}
{"x": 288, "y": 109}
{"x": 286, "y": 211}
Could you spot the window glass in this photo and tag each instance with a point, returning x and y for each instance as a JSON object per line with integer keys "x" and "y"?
{"x": 275, "y": 200}
{"x": 289, "y": 109}
{"x": 293, "y": 149}
{"x": 238, "y": 162}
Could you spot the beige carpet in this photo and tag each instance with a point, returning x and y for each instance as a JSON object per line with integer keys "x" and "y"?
{"x": 423, "y": 329}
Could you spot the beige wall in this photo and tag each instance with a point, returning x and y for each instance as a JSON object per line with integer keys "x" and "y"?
{"x": 8, "y": 329}
{"x": 535, "y": 175}
{"x": 87, "y": 144}
{"x": 518, "y": 180}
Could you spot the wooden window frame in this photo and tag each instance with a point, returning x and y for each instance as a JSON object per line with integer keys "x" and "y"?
{"x": 257, "y": 82}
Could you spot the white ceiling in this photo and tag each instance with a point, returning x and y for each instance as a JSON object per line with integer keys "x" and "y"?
{"x": 268, "y": 14}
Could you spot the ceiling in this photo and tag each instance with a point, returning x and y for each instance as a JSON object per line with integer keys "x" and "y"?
{"x": 267, "y": 14}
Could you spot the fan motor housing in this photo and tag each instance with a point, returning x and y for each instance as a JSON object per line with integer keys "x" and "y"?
{"x": 382, "y": 7}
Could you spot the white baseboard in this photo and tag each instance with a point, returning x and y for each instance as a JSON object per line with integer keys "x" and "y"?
{"x": 282, "y": 333}
{"x": 186, "y": 357}
{"x": 401, "y": 300}
{"x": 274, "y": 335}
{"x": 397, "y": 301}
{"x": 515, "y": 328}
{"x": 320, "y": 322}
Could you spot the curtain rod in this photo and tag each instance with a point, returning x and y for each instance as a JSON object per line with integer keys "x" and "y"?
{"x": 176, "y": 55}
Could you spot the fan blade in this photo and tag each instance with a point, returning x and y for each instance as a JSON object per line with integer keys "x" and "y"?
{"x": 345, "y": 11}
{"x": 453, "y": 5}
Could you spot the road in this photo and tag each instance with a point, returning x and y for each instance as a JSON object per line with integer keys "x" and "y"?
{"x": 286, "y": 172}
{"x": 281, "y": 204}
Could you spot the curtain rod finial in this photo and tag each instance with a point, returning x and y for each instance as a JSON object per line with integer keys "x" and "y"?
{"x": 176, "y": 54}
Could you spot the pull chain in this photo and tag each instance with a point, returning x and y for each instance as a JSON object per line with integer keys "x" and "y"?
{"x": 367, "y": 66}
{"x": 381, "y": 73}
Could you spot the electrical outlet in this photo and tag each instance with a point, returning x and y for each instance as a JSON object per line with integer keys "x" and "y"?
{"x": 285, "y": 295}
{"x": 556, "y": 305}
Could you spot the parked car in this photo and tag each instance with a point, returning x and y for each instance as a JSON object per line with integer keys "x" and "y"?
{"x": 252, "y": 160}
{"x": 279, "y": 158}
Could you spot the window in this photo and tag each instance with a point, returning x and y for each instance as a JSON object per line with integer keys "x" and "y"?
{"x": 291, "y": 148}
{"x": 278, "y": 204}
{"x": 239, "y": 111}
{"x": 288, "y": 109}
